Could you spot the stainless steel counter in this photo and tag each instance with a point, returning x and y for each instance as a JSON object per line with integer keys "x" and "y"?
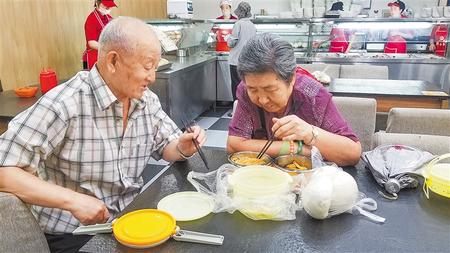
{"x": 180, "y": 64}
{"x": 188, "y": 88}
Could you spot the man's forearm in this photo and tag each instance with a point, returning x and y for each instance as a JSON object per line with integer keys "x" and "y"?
{"x": 33, "y": 190}
{"x": 171, "y": 153}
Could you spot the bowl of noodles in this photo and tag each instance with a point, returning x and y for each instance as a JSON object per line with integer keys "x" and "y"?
{"x": 246, "y": 158}
{"x": 294, "y": 164}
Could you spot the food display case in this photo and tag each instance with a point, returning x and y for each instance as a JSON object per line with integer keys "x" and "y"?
{"x": 312, "y": 38}
{"x": 401, "y": 46}
{"x": 189, "y": 36}
{"x": 371, "y": 39}
{"x": 295, "y": 31}
{"x": 356, "y": 41}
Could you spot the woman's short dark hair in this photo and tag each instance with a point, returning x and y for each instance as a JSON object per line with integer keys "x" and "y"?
{"x": 267, "y": 53}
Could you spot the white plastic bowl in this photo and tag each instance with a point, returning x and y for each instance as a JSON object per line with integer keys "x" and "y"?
{"x": 258, "y": 181}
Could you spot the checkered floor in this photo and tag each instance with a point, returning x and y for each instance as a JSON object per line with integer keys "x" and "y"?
{"x": 216, "y": 125}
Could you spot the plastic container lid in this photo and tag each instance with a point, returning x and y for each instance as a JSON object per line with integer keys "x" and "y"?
{"x": 187, "y": 206}
{"x": 437, "y": 176}
{"x": 441, "y": 171}
{"x": 144, "y": 228}
{"x": 259, "y": 180}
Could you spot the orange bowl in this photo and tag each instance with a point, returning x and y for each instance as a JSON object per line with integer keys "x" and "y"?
{"x": 26, "y": 92}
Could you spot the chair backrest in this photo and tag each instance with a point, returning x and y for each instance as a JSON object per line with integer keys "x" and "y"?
{"x": 364, "y": 71}
{"x": 435, "y": 144}
{"x": 19, "y": 230}
{"x": 419, "y": 121}
{"x": 360, "y": 113}
{"x": 333, "y": 70}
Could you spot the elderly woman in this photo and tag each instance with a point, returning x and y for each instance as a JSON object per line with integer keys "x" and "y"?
{"x": 276, "y": 100}
{"x": 243, "y": 31}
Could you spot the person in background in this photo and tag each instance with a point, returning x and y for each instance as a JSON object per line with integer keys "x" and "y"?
{"x": 93, "y": 26}
{"x": 396, "y": 39}
{"x": 78, "y": 154}
{"x": 275, "y": 100}
{"x": 340, "y": 40}
{"x": 243, "y": 31}
{"x": 225, "y": 7}
{"x": 438, "y": 39}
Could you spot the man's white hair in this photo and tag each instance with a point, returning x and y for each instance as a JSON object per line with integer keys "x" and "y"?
{"x": 119, "y": 34}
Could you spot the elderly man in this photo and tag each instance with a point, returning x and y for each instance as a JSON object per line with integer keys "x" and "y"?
{"x": 90, "y": 138}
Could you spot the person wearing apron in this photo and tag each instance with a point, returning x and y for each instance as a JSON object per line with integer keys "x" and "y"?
{"x": 438, "y": 39}
{"x": 396, "y": 39}
{"x": 93, "y": 26}
{"x": 339, "y": 41}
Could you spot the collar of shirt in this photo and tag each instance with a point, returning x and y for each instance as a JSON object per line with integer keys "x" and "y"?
{"x": 104, "y": 18}
{"x": 103, "y": 94}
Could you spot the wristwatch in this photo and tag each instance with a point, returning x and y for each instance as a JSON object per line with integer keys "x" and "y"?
{"x": 315, "y": 134}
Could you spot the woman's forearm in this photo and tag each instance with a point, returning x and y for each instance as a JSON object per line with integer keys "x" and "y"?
{"x": 338, "y": 149}
{"x": 335, "y": 148}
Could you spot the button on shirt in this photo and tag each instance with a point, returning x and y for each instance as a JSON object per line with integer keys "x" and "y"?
{"x": 73, "y": 137}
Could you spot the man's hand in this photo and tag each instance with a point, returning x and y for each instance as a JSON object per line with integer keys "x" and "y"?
{"x": 185, "y": 143}
{"x": 87, "y": 209}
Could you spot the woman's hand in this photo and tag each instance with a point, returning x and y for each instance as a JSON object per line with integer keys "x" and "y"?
{"x": 291, "y": 128}
{"x": 185, "y": 143}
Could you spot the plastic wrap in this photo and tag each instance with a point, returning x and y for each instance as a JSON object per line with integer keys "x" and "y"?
{"x": 262, "y": 207}
{"x": 267, "y": 203}
{"x": 331, "y": 191}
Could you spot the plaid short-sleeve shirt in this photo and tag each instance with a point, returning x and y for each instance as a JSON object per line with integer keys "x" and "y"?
{"x": 73, "y": 137}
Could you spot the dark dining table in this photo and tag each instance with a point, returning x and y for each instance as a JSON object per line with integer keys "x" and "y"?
{"x": 413, "y": 222}
{"x": 11, "y": 104}
{"x": 392, "y": 93}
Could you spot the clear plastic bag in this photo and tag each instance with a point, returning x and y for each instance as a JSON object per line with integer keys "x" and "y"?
{"x": 262, "y": 206}
{"x": 330, "y": 191}
{"x": 265, "y": 207}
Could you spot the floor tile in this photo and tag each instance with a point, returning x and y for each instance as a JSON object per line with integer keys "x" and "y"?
{"x": 221, "y": 124}
{"x": 206, "y": 122}
{"x": 215, "y": 138}
{"x": 225, "y": 115}
{"x": 218, "y": 113}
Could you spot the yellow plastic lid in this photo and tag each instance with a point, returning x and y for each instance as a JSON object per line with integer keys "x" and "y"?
{"x": 144, "y": 228}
